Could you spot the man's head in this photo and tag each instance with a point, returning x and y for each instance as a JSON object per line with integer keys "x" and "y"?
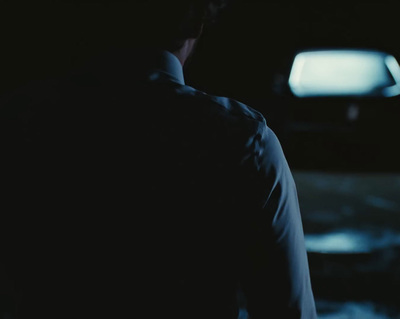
{"x": 175, "y": 25}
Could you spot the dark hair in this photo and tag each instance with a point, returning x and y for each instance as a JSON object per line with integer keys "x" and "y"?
{"x": 166, "y": 24}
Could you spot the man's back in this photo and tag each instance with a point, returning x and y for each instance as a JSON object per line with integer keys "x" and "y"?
{"x": 131, "y": 194}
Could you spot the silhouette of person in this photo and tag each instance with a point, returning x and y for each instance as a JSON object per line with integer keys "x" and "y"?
{"x": 130, "y": 194}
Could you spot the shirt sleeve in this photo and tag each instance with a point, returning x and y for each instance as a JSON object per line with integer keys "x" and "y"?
{"x": 276, "y": 280}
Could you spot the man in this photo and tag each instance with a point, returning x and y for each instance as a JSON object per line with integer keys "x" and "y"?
{"x": 133, "y": 195}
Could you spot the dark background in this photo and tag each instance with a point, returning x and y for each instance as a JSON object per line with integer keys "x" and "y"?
{"x": 246, "y": 55}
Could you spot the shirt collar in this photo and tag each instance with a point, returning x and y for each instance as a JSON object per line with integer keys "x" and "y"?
{"x": 166, "y": 66}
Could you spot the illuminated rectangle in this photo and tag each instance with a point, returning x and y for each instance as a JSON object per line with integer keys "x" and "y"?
{"x": 342, "y": 72}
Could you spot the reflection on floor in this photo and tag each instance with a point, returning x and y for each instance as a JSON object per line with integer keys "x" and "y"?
{"x": 352, "y": 231}
{"x": 344, "y": 310}
{"x": 351, "y": 241}
{"x": 351, "y": 310}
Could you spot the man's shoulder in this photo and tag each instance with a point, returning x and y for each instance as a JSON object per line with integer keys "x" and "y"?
{"x": 225, "y": 106}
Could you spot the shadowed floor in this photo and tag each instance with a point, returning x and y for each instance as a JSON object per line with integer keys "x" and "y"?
{"x": 352, "y": 231}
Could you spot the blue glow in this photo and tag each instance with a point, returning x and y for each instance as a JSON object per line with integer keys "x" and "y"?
{"x": 344, "y": 73}
{"x": 347, "y": 310}
{"x": 350, "y": 241}
{"x": 335, "y": 243}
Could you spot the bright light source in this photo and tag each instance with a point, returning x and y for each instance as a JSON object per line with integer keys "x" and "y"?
{"x": 344, "y": 73}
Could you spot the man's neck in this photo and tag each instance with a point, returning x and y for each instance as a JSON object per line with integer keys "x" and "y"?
{"x": 186, "y": 51}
